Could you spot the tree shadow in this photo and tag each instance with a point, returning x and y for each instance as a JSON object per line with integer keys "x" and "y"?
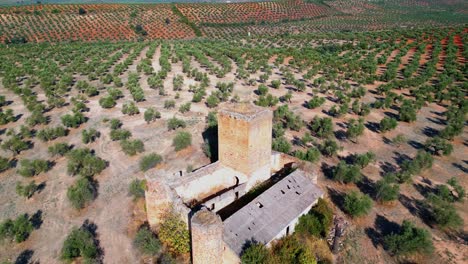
{"x": 331, "y": 99}
{"x": 430, "y": 132}
{"x": 340, "y": 134}
{"x": 41, "y": 187}
{"x": 387, "y": 167}
{"x": 92, "y": 228}
{"x": 327, "y": 170}
{"x": 437, "y": 113}
{"x": 460, "y": 167}
{"x": 382, "y": 227}
{"x": 400, "y": 157}
{"x": 391, "y": 115}
{"x": 247, "y": 244}
{"x": 366, "y": 186}
{"x": 24, "y": 257}
{"x": 387, "y": 141}
{"x": 437, "y": 121}
{"x": 416, "y": 208}
{"x": 17, "y": 117}
{"x": 415, "y": 144}
{"x": 336, "y": 197}
{"x": 210, "y": 135}
{"x": 36, "y": 219}
{"x": 373, "y": 126}
{"x": 341, "y": 124}
{"x": 425, "y": 190}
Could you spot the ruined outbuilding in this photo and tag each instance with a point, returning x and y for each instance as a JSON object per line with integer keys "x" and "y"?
{"x": 249, "y": 194}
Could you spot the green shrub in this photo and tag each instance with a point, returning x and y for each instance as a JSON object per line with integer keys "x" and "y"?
{"x": 146, "y": 242}
{"x": 212, "y": 101}
{"x": 386, "y": 190}
{"x": 132, "y": 147}
{"x": 137, "y": 188}
{"x": 310, "y": 225}
{"x": 80, "y": 243}
{"x": 364, "y": 159}
{"x": 184, "y": 108}
{"x": 421, "y": 161}
{"x": 115, "y": 123}
{"x": 16, "y": 144}
{"x": 107, "y": 102}
{"x": 275, "y": 84}
{"x": 329, "y": 147}
{"x": 29, "y": 168}
{"x": 255, "y": 254}
{"x": 7, "y": 116}
{"x": 436, "y": 145}
{"x": 130, "y": 108}
{"x": 151, "y": 114}
{"x": 90, "y": 135}
{"x": 312, "y": 154}
{"x": 17, "y": 230}
{"x": 407, "y": 111}
{"x": 182, "y": 140}
{"x": 173, "y": 232}
{"x": 443, "y": 213}
{"x": 26, "y": 190}
{"x": 115, "y": 93}
{"x": 315, "y": 102}
{"x": 281, "y": 144}
{"x": 59, "y": 149}
{"x": 262, "y": 89}
{"x": 81, "y": 193}
{"x": 409, "y": 240}
{"x": 168, "y": 104}
{"x": 37, "y": 117}
{"x": 460, "y": 191}
{"x": 120, "y": 134}
{"x": 322, "y": 127}
{"x": 175, "y": 123}
{"x": 52, "y": 133}
{"x": 74, "y": 120}
{"x": 346, "y": 173}
{"x": 290, "y": 250}
{"x": 267, "y": 100}
{"x": 355, "y": 128}
{"x": 83, "y": 162}
{"x": 387, "y": 124}
{"x": 150, "y": 161}
{"x": 357, "y": 204}
{"x": 5, "y": 164}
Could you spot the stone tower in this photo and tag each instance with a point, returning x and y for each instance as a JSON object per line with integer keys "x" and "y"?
{"x": 207, "y": 237}
{"x": 244, "y": 137}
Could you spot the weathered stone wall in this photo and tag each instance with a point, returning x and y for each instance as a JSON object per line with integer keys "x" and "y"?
{"x": 204, "y": 186}
{"x": 158, "y": 201}
{"x": 207, "y": 238}
{"x": 245, "y": 142}
{"x": 224, "y": 199}
{"x": 292, "y": 224}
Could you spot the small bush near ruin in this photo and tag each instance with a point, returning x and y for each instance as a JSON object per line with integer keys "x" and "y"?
{"x": 182, "y": 140}
{"x": 79, "y": 243}
{"x": 150, "y": 161}
{"x": 357, "y": 204}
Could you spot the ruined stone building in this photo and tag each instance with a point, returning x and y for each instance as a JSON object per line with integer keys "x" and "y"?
{"x": 250, "y": 194}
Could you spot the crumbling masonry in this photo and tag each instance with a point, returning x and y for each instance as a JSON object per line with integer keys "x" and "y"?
{"x": 211, "y": 199}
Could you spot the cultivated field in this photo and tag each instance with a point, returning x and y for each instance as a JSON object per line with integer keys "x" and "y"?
{"x": 112, "y": 22}
{"x": 334, "y": 96}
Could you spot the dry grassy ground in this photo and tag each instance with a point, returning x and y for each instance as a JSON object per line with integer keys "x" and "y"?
{"x": 117, "y": 216}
